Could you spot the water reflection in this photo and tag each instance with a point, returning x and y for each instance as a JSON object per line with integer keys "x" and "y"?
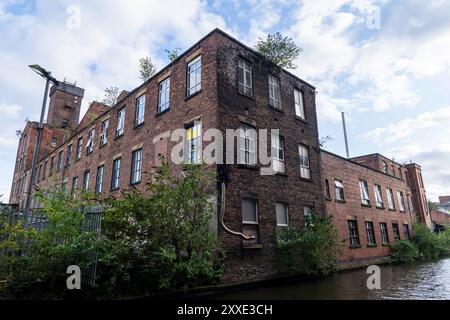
{"x": 416, "y": 281}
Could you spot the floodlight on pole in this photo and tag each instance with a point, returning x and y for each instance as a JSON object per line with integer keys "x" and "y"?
{"x": 48, "y": 76}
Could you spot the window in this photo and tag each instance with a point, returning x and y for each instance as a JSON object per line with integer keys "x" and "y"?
{"x": 194, "y": 76}
{"x": 410, "y": 203}
{"x": 278, "y": 153}
{"x": 401, "y": 201}
{"x": 378, "y": 196}
{"x": 86, "y": 180}
{"x": 274, "y": 92}
{"x": 115, "y": 180}
{"x": 60, "y": 161}
{"x": 371, "y": 241}
{"x": 90, "y": 143}
{"x": 245, "y": 77}
{"x": 38, "y": 175}
{"x": 364, "y": 191}
{"x": 136, "y": 166}
{"x": 65, "y": 123}
{"x": 304, "y": 161}
{"x": 339, "y": 186}
{"x": 52, "y": 165}
{"x": 99, "y": 179}
{"x": 385, "y": 167}
{"x": 299, "y": 104}
{"x": 327, "y": 189}
{"x": 249, "y": 211}
{"x": 164, "y": 96}
{"x": 390, "y": 197}
{"x": 406, "y": 231}
{"x": 384, "y": 233}
{"x": 247, "y": 145}
{"x": 79, "y": 147}
{"x": 44, "y": 173}
{"x": 282, "y": 214}
{"x": 69, "y": 154}
{"x": 307, "y": 214}
{"x": 193, "y": 134}
{"x": 395, "y": 231}
{"x": 120, "y": 122}
{"x": 140, "y": 111}
{"x": 400, "y": 172}
{"x": 104, "y": 134}
{"x": 74, "y": 185}
{"x": 353, "y": 233}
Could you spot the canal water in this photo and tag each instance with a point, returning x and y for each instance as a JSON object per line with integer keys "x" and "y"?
{"x": 424, "y": 281}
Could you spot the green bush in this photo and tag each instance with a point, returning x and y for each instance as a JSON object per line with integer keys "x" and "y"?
{"x": 314, "y": 249}
{"x": 37, "y": 261}
{"x": 428, "y": 243}
{"x": 404, "y": 251}
{"x": 161, "y": 239}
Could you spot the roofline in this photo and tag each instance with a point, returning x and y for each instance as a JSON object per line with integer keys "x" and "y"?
{"x": 379, "y": 154}
{"x": 359, "y": 164}
{"x": 155, "y": 76}
{"x": 195, "y": 45}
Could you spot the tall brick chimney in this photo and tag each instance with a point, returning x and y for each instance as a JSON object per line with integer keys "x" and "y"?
{"x": 419, "y": 197}
{"x": 64, "y": 106}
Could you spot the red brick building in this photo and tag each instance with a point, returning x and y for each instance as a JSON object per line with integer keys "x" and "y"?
{"x": 217, "y": 83}
{"x": 372, "y": 202}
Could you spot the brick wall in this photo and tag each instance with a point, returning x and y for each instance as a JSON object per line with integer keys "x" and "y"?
{"x": 335, "y": 167}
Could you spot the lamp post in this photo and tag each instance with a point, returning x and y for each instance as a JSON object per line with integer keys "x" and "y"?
{"x": 48, "y": 76}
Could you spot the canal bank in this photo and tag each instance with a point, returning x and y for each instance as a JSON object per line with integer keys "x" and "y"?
{"x": 417, "y": 281}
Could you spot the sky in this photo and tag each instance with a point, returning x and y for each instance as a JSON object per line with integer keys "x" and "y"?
{"x": 385, "y": 63}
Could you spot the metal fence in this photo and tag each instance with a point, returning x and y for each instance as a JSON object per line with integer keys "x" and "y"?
{"x": 92, "y": 222}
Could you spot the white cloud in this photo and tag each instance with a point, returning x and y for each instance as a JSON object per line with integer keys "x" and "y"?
{"x": 424, "y": 139}
{"x": 10, "y": 111}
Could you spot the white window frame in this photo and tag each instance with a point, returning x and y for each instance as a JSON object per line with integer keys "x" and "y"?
{"x": 401, "y": 201}
{"x": 278, "y": 155}
{"x": 384, "y": 233}
{"x": 193, "y": 144}
{"x": 390, "y": 197}
{"x": 285, "y": 213}
{"x": 86, "y": 177}
{"x": 299, "y": 104}
{"x": 274, "y": 92}
{"x": 136, "y": 166}
{"x": 104, "y": 134}
{"x": 305, "y": 163}
{"x": 99, "y": 179}
{"x": 79, "y": 147}
{"x": 247, "y": 145}
{"x": 338, "y": 185}
{"x": 90, "y": 143}
{"x": 120, "y": 129}
{"x": 378, "y": 196}
{"x": 194, "y": 72}
{"x": 245, "y": 87}
{"x": 140, "y": 111}
{"x": 164, "y": 95}
{"x": 364, "y": 192}
{"x": 115, "y": 177}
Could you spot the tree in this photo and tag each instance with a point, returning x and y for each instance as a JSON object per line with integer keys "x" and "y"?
{"x": 111, "y": 95}
{"x": 324, "y": 140}
{"x": 313, "y": 249}
{"x": 280, "y": 50}
{"x": 146, "y": 68}
{"x": 173, "y": 54}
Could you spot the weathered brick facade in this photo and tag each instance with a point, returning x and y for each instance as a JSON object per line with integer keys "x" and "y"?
{"x": 368, "y": 168}
{"x": 218, "y": 104}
